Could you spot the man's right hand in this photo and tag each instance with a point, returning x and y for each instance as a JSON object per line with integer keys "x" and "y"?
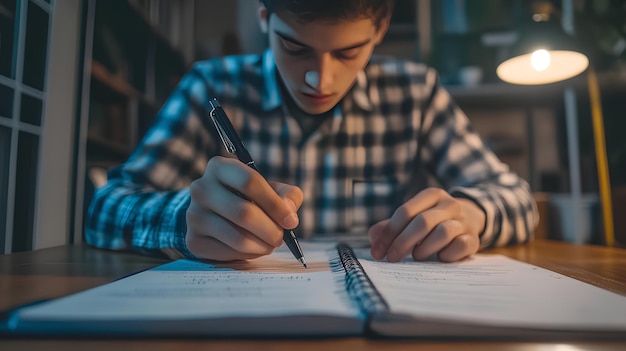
{"x": 223, "y": 226}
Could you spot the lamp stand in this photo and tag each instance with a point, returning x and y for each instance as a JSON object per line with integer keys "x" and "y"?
{"x": 604, "y": 182}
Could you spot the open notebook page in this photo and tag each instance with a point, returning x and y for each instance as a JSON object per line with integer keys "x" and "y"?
{"x": 495, "y": 290}
{"x": 274, "y": 285}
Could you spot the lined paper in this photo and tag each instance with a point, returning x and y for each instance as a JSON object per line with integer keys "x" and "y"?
{"x": 495, "y": 290}
{"x": 275, "y": 285}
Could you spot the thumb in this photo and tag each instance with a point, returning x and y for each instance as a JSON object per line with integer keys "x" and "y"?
{"x": 292, "y": 196}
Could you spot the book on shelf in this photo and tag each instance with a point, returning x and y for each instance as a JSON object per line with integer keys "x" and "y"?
{"x": 343, "y": 293}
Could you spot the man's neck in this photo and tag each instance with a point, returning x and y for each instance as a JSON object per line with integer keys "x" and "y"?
{"x": 308, "y": 123}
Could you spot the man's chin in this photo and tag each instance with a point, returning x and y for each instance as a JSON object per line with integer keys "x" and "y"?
{"x": 316, "y": 109}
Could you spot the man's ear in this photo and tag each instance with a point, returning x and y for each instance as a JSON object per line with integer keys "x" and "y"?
{"x": 382, "y": 30}
{"x": 263, "y": 17}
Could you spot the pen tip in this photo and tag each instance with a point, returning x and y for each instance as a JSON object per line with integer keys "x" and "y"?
{"x": 303, "y": 261}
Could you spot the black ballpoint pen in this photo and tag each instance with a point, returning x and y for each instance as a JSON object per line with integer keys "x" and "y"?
{"x": 233, "y": 144}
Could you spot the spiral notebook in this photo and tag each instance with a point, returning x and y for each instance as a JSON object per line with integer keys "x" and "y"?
{"x": 343, "y": 293}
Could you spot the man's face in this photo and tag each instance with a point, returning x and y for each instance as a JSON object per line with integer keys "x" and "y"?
{"x": 318, "y": 61}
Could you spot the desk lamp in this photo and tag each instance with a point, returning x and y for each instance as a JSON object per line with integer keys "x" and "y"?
{"x": 545, "y": 54}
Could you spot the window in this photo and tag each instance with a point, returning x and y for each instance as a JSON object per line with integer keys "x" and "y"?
{"x": 24, "y": 37}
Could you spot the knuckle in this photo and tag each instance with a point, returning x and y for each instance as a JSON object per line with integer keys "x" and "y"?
{"x": 449, "y": 229}
{"x": 441, "y": 192}
{"x": 200, "y": 227}
{"x": 195, "y": 189}
{"x": 446, "y": 227}
{"x": 418, "y": 254}
{"x": 273, "y": 237}
{"x": 246, "y": 182}
{"x": 189, "y": 239}
{"x": 190, "y": 216}
{"x": 445, "y": 256}
{"x": 455, "y": 207}
{"x": 464, "y": 241}
{"x": 398, "y": 250}
{"x": 244, "y": 213}
{"x": 277, "y": 238}
{"x": 424, "y": 223}
{"x": 213, "y": 164}
{"x": 469, "y": 242}
{"x": 247, "y": 246}
{"x": 433, "y": 191}
{"x": 194, "y": 217}
{"x": 192, "y": 244}
{"x": 215, "y": 161}
{"x": 241, "y": 243}
{"x": 403, "y": 213}
{"x": 266, "y": 251}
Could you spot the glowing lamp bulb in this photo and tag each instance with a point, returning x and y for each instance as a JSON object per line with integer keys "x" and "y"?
{"x": 540, "y": 60}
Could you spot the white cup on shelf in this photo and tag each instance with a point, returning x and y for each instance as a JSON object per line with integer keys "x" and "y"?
{"x": 470, "y": 76}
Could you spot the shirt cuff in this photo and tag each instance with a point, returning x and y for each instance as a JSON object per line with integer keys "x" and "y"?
{"x": 180, "y": 228}
{"x": 482, "y": 200}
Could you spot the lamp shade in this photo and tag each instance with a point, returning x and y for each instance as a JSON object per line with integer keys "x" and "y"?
{"x": 542, "y": 54}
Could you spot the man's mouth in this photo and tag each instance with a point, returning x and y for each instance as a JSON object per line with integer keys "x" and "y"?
{"x": 317, "y": 96}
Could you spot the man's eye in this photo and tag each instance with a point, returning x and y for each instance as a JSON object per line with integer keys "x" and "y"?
{"x": 348, "y": 54}
{"x": 291, "y": 48}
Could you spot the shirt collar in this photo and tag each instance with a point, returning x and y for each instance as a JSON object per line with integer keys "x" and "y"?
{"x": 359, "y": 92}
{"x": 272, "y": 98}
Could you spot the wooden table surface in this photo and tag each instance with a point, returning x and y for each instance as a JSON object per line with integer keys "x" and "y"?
{"x": 59, "y": 271}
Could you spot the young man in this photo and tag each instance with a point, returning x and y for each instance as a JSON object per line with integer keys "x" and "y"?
{"x": 349, "y": 143}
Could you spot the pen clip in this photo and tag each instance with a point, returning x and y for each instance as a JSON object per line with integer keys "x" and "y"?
{"x": 230, "y": 147}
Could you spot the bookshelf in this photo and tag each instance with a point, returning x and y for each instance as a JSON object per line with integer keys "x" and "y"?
{"x": 132, "y": 68}
{"x": 130, "y": 63}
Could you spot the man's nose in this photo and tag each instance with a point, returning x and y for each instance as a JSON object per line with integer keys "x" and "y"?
{"x": 322, "y": 78}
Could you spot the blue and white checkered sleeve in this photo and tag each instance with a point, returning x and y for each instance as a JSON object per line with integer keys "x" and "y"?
{"x": 143, "y": 205}
{"x": 468, "y": 168}
{"x": 125, "y": 216}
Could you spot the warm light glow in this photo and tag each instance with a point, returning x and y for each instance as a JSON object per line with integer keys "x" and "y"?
{"x": 566, "y": 347}
{"x": 540, "y": 60}
{"x": 562, "y": 65}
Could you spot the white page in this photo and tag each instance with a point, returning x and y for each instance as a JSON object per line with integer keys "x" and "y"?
{"x": 274, "y": 285}
{"x": 496, "y": 290}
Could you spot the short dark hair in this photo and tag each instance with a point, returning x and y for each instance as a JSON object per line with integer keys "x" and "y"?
{"x": 312, "y": 10}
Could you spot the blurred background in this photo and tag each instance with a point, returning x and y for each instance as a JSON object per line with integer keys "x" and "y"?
{"x": 81, "y": 80}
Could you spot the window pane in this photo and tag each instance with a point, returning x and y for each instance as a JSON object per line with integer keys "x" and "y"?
{"x": 6, "y": 101}
{"x": 30, "y": 111}
{"x": 36, "y": 49}
{"x": 25, "y": 186}
{"x": 5, "y": 143}
{"x": 8, "y": 22}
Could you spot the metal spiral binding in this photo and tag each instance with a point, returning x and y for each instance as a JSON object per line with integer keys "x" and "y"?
{"x": 359, "y": 286}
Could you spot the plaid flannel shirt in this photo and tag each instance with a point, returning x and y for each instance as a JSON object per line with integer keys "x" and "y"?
{"x": 394, "y": 133}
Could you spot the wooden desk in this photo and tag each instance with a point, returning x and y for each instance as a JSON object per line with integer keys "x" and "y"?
{"x": 54, "y": 272}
